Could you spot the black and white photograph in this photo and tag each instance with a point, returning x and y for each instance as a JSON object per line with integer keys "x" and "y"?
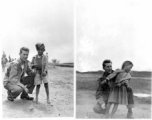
{"x": 113, "y": 65}
{"x": 37, "y": 58}
{"x": 76, "y": 59}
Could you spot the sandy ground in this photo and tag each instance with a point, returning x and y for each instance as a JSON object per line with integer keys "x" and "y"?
{"x": 85, "y": 99}
{"x": 61, "y": 96}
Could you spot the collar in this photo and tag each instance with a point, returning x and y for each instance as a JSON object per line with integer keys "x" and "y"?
{"x": 40, "y": 56}
{"x": 19, "y": 60}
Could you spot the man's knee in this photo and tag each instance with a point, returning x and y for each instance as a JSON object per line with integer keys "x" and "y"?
{"x": 28, "y": 80}
{"x": 17, "y": 90}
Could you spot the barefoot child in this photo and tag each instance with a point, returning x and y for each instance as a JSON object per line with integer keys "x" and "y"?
{"x": 40, "y": 66}
{"x": 119, "y": 93}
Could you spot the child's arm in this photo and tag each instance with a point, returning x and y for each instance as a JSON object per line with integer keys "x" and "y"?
{"x": 112, "y": 75}
{"x": 32, "y": 63}
{"x": 29, "y": 70}
{"x": 125, "y": 79}
{"x": 45, "y": 68}
{"x": 125, "y": 82}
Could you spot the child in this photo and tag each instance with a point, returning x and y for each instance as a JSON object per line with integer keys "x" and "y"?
{"x": 119, "y": 93}
{"x": 40, "y": 66}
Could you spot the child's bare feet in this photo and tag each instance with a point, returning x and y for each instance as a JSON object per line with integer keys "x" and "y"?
{"x": 111, "y": 116}
{"x": 48, "y": 101}
{"x": 107, "y": 116}
{"x": 36, "y": 100}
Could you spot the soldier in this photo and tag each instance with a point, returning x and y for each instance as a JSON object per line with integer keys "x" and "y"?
{"x": 14, "y": 80}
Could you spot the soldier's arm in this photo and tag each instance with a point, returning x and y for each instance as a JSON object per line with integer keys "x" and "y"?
{"x": 7, "y": 74}
{"x": 12, "y": 72}
{"x": 12, "y": 75}
{"x": 100, "y": 80}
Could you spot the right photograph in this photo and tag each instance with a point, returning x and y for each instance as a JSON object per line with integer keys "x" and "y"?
{"x": 113, "y": 64}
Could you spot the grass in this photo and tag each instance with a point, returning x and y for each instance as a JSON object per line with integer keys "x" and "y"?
{"x": 86, "y": 88}
{"x": 89, "y": 82}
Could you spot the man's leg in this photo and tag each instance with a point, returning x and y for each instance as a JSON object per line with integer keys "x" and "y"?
{"x": 29, "y": 83}
{"x": 13, "y": 91}
{"x": 10, "y": 96}
{"x": 130, "y": 102}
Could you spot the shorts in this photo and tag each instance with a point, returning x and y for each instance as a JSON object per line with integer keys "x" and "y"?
{"x": 38, "y": 80}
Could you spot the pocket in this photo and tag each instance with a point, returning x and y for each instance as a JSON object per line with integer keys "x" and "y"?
{"x": 37, "y": 77}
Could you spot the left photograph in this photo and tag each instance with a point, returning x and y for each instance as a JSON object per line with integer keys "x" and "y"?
{"x": 37, "y": 58}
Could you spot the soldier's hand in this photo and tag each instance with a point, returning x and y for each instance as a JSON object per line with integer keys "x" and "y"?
{"x": 26, "y": 90}
{"x": 118, "y": 85}
{"x": 103, "y": 81}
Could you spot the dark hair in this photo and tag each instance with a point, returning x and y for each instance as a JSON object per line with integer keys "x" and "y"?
{"x": 40, "y": 46}
{"x": 126, "y": 63}
{"x": 24, "y": 49}
{"x": 106, "y": 61}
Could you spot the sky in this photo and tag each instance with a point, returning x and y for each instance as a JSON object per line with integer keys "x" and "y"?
{"x": 118, "y": 30}
{"x": 26, "y": 22}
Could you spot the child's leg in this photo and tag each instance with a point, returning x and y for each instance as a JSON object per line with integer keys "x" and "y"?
{"x": 130, "y": 113}
{"x": 114, "y": 110}
{"x": 130, "y": 102}
{"x": 47, "y": 92}
{"x": 37, "y": 92}
{"x": 107, "y": 110}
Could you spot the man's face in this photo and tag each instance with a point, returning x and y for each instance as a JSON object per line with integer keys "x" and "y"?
{"x": 24, "y": 55}
{"x": 108, "y": 67}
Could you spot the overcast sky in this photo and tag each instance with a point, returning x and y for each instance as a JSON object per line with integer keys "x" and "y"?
{"x": 26, "y": 22}
{"x": 114, "y": 29}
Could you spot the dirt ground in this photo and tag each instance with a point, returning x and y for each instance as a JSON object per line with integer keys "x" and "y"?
{"x": 61, "y": 96}
{"x": 85, "y": 98}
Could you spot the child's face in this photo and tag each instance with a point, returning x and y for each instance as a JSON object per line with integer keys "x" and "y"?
{"x": 40, "y": 52}
{"x": 128, "y": 68}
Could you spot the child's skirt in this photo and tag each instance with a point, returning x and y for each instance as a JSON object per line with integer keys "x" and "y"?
{"x": 38, "y": 80}
{"x": 119, "y": 95}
